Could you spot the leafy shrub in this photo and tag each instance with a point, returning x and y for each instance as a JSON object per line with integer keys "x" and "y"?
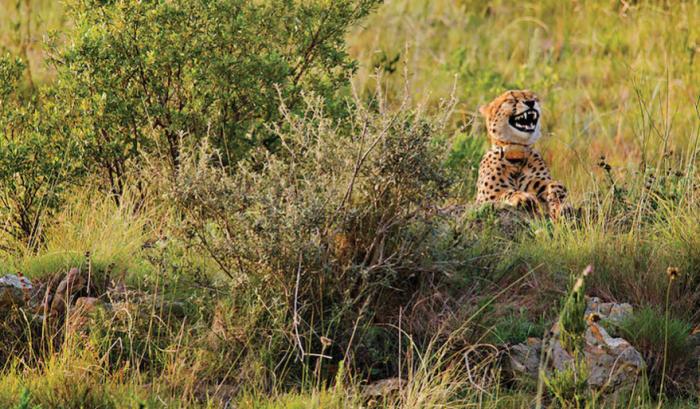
{"x": 332, "y": 230}
{"x": 147, "y": 75}
{"x": 39, "y": 158}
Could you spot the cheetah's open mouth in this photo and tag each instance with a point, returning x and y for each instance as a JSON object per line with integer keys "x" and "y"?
{"x": 526, "y": 121}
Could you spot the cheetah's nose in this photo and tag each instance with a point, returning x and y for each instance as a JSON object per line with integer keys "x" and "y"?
{"x": 530, "y": 103}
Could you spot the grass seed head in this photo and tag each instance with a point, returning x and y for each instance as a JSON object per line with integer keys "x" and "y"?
{"x": 672, "y": 273}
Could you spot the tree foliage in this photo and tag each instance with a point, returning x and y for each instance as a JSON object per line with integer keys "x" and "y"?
{"x": 139, "y": 79}
{"x": 39, "y": 158}
{"x": 152, "y": 75}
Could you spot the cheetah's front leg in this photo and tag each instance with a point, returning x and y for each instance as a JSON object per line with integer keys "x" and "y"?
{"x": 557, "y": 205}
{"x": 520, "y": 199}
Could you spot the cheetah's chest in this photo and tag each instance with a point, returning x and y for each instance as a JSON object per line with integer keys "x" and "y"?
{"x": 516, "y": 175}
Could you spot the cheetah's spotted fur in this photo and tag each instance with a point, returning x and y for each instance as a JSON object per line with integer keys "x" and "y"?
{"x": 511, "y": 171}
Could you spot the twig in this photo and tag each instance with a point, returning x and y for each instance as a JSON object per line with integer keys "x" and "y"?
{"x": 296, "y": 312}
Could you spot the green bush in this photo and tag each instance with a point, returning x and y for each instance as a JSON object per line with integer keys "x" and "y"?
{"x": 148, "y": 76}
{"x": 336, "y": 229}
{"x": 39, "y": 157}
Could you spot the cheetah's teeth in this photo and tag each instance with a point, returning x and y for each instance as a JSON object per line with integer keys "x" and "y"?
{"x": 525, "y": 121}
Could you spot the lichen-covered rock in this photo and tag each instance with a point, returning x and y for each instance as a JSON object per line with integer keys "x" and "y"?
{"x": 525, "y": 358}
{"x": 612, "y": 363}
{"x": 611, "y": 312}
{"x": 13, "y": 290}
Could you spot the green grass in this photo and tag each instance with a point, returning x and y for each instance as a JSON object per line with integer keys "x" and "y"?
{"x": 91, "y": 232}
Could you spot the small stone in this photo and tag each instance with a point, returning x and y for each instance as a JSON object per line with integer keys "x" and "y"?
{"x": 619, "y": 312}
{"x": 561, "y": 359}
{"x": 611, "y": 312}
{"x": 381, "y": 388}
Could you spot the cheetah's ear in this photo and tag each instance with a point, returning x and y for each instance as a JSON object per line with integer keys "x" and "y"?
{"x": 485, "y": 110}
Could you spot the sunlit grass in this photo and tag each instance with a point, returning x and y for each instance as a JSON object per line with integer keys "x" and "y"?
{"x": 91, "y": 232}
{"x": 26, "y": 24}
{"x": 617, "y": 81}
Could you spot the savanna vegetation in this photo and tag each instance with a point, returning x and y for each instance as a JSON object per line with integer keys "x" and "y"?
{"x": 271, "y": 200}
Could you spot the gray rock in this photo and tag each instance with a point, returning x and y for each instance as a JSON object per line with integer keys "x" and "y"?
{"x": 13, "y": 290}
{"x": 560, "y": 358}
{"x": 613, "y": 363}
{"x": 609, "y": 311}
{"x": 525, "y": 358}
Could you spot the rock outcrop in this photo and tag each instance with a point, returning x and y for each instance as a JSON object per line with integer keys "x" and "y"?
{"x": 612, "y": 363}
{"x": 525, "y": 358}
{"x": 607, "y": 311}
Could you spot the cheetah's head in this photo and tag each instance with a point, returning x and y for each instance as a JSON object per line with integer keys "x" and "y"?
{"x": 513, "y": 117}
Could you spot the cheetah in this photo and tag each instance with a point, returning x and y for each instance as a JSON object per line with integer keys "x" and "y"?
{"x": 511, "y": 171}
